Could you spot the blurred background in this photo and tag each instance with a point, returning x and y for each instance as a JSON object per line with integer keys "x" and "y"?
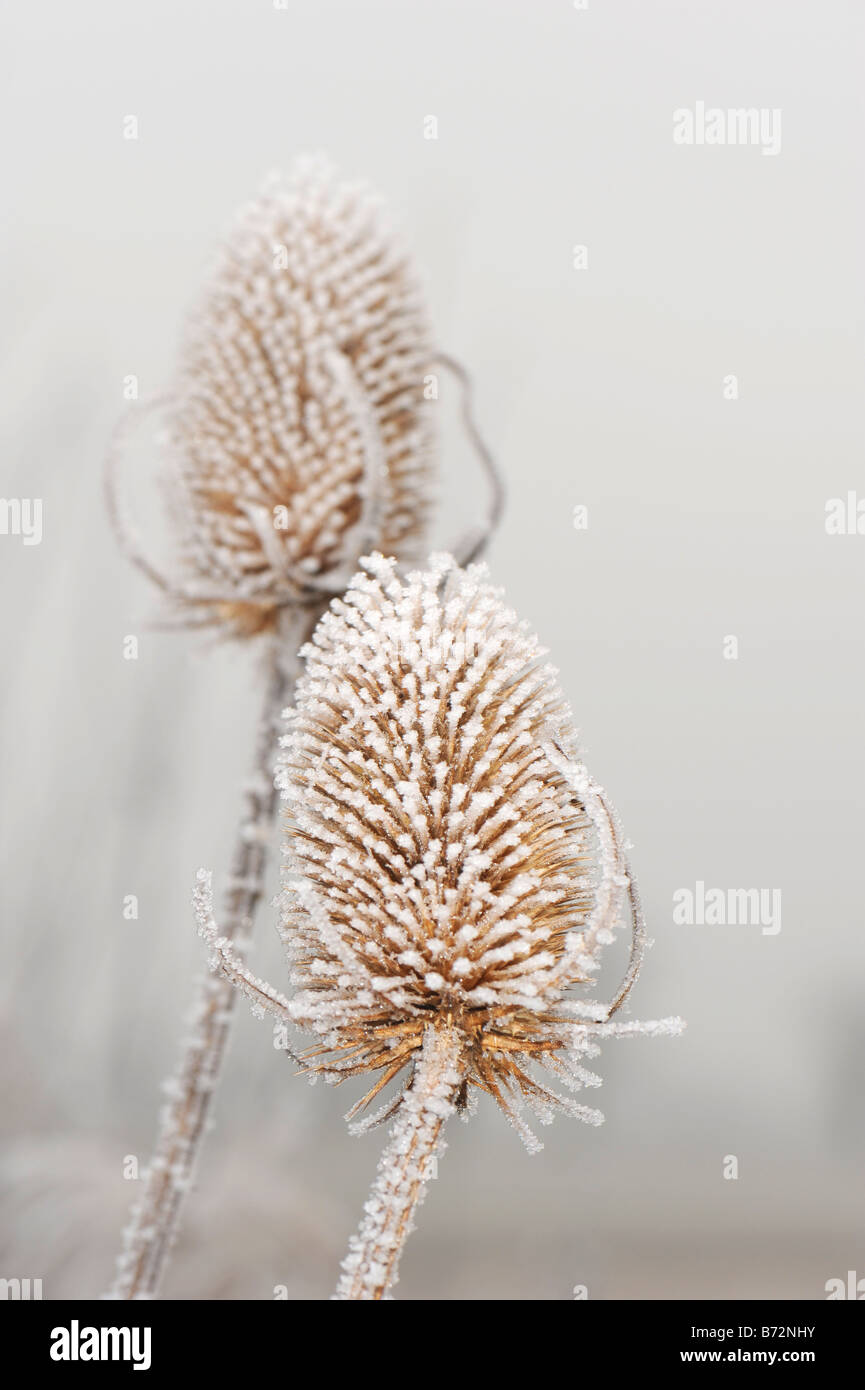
{"x": 601, "y": 387}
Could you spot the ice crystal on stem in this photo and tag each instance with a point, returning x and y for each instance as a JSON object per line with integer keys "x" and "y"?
{"x": 452, "y": 875}
{"x": 155, "y": 1218}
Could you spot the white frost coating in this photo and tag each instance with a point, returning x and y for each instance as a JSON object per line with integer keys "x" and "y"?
{"x": 652, "y": 1028}
{"x": 301, "y": 386}
{"x": 155, "y": 1217}
{"x": 441, "y": 855}
{"x": 447, "y": 852}
{"x": 228, "y": 961}
{"x": 612, "y": 880}
{"x": 296, "y": 433}
{"x": 370, "y": 1267}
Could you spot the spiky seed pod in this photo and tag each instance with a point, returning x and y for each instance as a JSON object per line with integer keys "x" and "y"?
{"x": 451, "y": 865}
{"x": 442, "y": 859}
{"x": 298, "y": 419}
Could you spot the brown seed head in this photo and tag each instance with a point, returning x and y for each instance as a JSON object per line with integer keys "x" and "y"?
{"x": 442, "y": 866}
{"x": 298, "y": 418}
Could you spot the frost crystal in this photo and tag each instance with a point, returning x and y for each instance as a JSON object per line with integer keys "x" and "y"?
{"x": 299, "y": 418}
{"x": 297, "y": 430}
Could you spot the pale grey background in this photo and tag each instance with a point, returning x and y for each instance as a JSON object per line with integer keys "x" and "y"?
{"x": 706, "y": 518}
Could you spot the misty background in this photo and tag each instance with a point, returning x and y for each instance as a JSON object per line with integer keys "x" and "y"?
{"x": 601, "y": 387}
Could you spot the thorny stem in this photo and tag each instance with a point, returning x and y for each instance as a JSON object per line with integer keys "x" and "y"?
{"x": 156, "y": 1216}
{"x": 405, "y": 1167}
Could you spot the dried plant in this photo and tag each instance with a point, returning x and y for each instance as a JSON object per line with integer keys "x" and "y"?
{"x": 297, "y": 430}
{"x": 452, "y": 872}
{"x": 297, "y": 435}
{"x": 301, "y": 394}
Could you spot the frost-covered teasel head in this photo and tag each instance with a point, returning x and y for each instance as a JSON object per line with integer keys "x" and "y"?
{"x": 297, "y": 431}
{"x": 452, "y": 873}
{"x": 449, "y": 860}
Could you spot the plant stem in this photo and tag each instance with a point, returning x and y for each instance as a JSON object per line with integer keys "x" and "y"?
{"x": 405, "y": 1167}
{"x": 155, "y": 1218}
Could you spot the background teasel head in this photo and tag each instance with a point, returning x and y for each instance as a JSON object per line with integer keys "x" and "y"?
{"x": 451, "y": 864}
{"x": 297, "y": 431}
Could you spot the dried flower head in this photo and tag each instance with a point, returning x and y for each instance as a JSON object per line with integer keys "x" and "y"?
{"x": 454, "y": 864}
{"x": 297, "y": 431}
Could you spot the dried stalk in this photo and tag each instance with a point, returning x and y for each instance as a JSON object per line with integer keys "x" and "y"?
{"x": 370, "y": 1268}
{"x": 472, "y": 546}
{"x": 155, "y": 1217}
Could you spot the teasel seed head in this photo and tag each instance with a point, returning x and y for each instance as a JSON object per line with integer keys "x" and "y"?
{"x": 449, "y": 862}
{"x": 297, "y": 433}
